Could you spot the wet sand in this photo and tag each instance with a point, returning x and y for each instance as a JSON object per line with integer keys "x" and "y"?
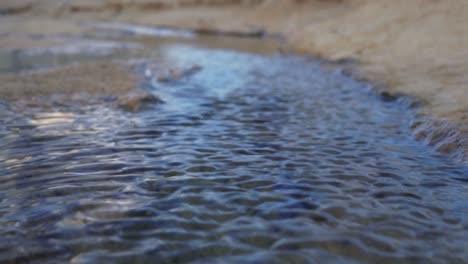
{"x": 416, "y": 48}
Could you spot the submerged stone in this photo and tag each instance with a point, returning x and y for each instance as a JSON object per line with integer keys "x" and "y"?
{"x": 137, "y": 100}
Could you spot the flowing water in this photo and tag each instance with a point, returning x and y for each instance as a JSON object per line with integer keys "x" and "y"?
{"x": 254, "y": 159}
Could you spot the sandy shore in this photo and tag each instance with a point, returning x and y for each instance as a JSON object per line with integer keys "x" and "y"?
{"x": 417, "y": 48}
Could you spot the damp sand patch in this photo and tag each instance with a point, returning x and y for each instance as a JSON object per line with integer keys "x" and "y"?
{"x": 87, "y": 83}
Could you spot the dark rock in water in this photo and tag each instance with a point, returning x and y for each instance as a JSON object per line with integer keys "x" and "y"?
{"x": 15, "y": 9}
{"x": 176, "y": 74}
{"x": 389, "y": 97}
{"x": 137, "y": 101}
{"x": 252, "y": 33}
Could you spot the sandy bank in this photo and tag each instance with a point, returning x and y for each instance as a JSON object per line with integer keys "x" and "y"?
{"x": 101, "y": 78}
{"x": 98, "y": 83}
{"x": 418, "y": 47}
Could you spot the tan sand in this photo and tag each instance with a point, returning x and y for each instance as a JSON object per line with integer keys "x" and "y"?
{"x": 97, "y": 82}
{"x": 413, "y": 47}
{"x": 101, "y": 78}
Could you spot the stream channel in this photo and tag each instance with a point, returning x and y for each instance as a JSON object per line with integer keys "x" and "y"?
{"x": 259, "y": 157}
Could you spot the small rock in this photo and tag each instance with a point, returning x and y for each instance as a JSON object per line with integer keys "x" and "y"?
{"x": 14, "y": 9}
{"x": 176, "y": 74}
{"x": 388, "y": 97}
{"x": 137, "y": 101}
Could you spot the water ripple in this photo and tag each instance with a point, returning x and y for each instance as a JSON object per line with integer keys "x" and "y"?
{"x": 252, "y": 160}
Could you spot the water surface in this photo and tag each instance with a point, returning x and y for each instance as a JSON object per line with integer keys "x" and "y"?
{"x": 254, "y": 159}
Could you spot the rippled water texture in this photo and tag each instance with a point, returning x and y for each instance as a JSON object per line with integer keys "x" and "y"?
{"x": 254, "y": 159}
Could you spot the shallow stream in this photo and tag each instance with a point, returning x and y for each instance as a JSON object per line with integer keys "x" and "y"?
{"x": 253, "y": 159}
